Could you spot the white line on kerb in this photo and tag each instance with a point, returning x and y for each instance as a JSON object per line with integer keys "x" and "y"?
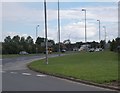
{"x": 40, "y": 75}
{"x": 28, "y": 74}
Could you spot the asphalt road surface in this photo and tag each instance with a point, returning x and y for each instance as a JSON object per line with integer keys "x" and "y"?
{"x": 17, "y": 77}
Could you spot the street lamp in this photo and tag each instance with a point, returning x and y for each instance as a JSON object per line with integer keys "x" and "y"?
{"x": 104, "y": 27}
{"x": 99, "y": 29}
{"x": 59, "y": 27}
{"x": 85, "y": 25}
{"x": 36, "y": 36}
{"x": 46, "y": 40}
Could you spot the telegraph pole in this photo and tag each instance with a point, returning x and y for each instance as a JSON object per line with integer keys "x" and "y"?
{"x": 85, "y": 30}
{"x": 99, "y": 30}
{"x": 36, "y": 37}
{"x": 105, "y": 35}
{"x": 59, "y": 28}
{"x": 46, "y": 40}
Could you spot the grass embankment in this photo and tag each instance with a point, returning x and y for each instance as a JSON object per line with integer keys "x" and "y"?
{"x": 98, "y": 67}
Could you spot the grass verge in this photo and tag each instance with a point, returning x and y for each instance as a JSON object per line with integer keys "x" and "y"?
{"x": 97, "y": 67}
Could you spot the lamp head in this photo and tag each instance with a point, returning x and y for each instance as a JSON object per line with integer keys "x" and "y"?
{"x": 83, "y": 10}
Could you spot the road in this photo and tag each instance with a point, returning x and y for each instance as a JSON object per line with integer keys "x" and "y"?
{"x": 17, "y": 77}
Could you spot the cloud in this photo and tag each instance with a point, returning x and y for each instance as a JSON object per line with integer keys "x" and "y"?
{"x": 73, "y": 31}
{"x": 77, "y": 31}
{"x": 16, "y": 13}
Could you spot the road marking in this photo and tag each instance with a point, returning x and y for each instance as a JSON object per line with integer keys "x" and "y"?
{"x": 13, "y": 72}
{"x": 40, "y": 75}
{"x": 28, "y": 74}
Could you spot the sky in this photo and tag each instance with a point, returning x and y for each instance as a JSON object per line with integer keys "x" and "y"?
{"x": 22, "y": 18}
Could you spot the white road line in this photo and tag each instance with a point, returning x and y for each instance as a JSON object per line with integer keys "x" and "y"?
{"x": 40, "y": 75}
{"x": 13, "y": 72}
{"x": 28, "y": 74}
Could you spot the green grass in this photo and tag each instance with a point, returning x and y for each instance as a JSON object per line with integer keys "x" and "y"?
{"x": 98, "y": 67}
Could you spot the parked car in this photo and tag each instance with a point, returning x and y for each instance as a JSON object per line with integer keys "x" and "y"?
{"x": 63, "y": 50}
{"x": 23, "y": 53}
{"x": 97, "y": 50}
{"x": 91, "y": 50}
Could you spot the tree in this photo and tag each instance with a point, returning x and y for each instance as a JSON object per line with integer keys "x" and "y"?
{"x": 39, "y": 40}
{"x": 16, "y": 44}
{"x": 115, "y": 44}
{"x": 7, "y": 39}
{"x": 52, "y": 42}
{"x": 67, "y": 43}
{"x": 38, "y": 45}
{"x": 22, "y": 44}
{"x": 102, "y": 44}
{"x": 16, "y": 39}
{"x": 94, "y": 44}
{"x": 112, "y": 45}
{"x": 29, "y": 44}
{"x": 7, "y": 46}
{"x": 78, "y": 44}
{"x": 29, "y": 40}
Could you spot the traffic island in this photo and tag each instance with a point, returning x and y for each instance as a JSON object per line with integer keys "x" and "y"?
{"x": 99, "y": 68}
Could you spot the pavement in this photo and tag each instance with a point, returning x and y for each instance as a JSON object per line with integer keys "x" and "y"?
{"x": 17, "y": 77}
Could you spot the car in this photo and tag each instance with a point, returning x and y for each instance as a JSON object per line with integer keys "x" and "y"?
{"x": 91, "y": 50}
{"x": 97, "y": 50}
{"x": 63, "y": 50}
{"x": 23, "y": 53}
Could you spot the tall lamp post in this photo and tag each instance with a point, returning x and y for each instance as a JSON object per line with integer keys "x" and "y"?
{"x": 46, "y": 40}
{"x": 36, "y": 36}
{"x": 85, "y": 27}
{"x": 59, "y": 28}
{"x": 99, "y": 30}
{"x": 104, "y": 27}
